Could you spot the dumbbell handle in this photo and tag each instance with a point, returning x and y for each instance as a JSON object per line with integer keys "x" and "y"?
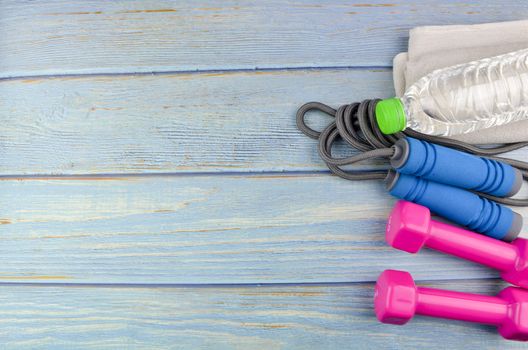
{"x": 471, "y": 246}
{"x": 461, "y": 306}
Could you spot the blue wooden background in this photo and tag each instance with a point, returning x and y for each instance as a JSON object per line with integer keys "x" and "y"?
{"x": 155, "y": 192}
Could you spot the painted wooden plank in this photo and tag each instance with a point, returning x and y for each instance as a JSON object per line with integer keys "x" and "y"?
{"x": 269, "y": 317}
{"x": 234, "y": 122}
{"x": 205, "y": 229}
{"x": 72, "y": 37}
{"x": 170, "y": 123}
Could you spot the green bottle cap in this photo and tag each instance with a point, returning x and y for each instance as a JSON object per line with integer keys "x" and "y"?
{"x": 390, "y": 116}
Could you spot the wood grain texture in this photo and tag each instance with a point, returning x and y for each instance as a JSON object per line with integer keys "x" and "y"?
{"x": 77, "y": 37}
{"x": 205, "y": 229}
{"x": 170, "y": 123}
{"x": 282, "y": 317}
{"x": 215, "y": 122}
{"x": 165, "y": 232}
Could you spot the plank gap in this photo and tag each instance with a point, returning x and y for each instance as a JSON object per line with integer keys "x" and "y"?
{"x": 233, "y": 285}
{"x": 192, "y": 71}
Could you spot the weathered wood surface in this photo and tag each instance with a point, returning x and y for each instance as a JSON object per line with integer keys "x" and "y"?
{"x": 211, "y": 122}
{"x": 269, "y": 317}
{"x": 205, "y": 229}
{"x": 77, "y": 37}
{"x": 78, "y": 99}
{"x": 170, "y": 123}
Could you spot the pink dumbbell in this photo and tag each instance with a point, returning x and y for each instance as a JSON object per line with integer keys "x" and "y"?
{"x": 410, "y": 227}
{"x": 397, "y": 299}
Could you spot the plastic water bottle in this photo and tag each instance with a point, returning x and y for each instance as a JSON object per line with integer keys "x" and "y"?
{"x": 462, "y": 98}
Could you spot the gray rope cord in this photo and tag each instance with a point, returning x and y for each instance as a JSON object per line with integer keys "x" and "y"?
{"x": 355, "y": 123}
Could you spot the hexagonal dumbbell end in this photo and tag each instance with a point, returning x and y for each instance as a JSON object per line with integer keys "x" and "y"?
{"x": 397, "y": 299}
{"x": 410, "y": 227}
{"x": 515, "y": 325}
{"x": 517, "y": 272}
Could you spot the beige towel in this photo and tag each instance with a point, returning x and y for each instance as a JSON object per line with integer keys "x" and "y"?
{"x": 434, "y": 47}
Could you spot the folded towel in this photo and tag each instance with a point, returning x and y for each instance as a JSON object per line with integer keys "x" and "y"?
{"x": 434, "y": 47}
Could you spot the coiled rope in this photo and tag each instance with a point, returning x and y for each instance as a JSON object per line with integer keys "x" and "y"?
{"x": 356, "y": 124}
